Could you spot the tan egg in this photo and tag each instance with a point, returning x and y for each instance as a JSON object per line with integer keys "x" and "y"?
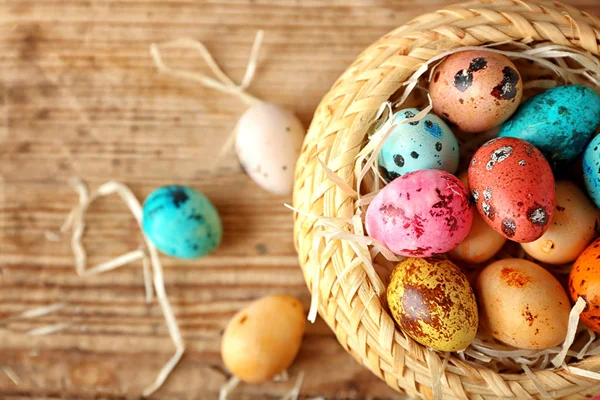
{"x": 476, "y": 90}
{"x": 263, "y": 338}
{"x": 522, "y": 304}
{"x": 571, "y": 230}
{"x": 482, "y": 242}
{"x": 268, "y": 142}
{"x": 432, "y": 301}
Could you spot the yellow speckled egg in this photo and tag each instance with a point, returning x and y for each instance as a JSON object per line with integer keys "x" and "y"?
{"x": 263, "y": 339}
{"x": 571, "y": 230}
{"x": 522, "y": 304}
{"x": 482, "y": 242}
{"x": 432, "y": 301}
{"x": 476, "y": 90}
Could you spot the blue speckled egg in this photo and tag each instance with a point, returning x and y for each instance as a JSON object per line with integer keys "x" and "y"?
{"x": 182, "y": 222}
{"x": 413, "y": 146}
{"x": 559, "y": 122}
{"x": 591, "y": 169}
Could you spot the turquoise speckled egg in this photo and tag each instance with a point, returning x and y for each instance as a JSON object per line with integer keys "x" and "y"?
{"x": 591, "y": 169}
{"x": 182, "y": 222}
{"x": 559, "y": 122}
{"x": 413, "y": 146}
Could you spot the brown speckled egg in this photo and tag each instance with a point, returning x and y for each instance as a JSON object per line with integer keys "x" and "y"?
{"x": 584, "y": 281}
{"x": 476, "y": 90}
{"x": 513, "y": 187}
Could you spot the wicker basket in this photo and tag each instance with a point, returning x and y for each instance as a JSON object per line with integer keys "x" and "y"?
{"x": 337, "y": 134}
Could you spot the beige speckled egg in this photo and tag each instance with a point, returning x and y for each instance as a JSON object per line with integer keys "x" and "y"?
{"x": 482, "y": 242}
{"x": 571, "y": 230}
{"x": 432, "y": 301}
{"x": 476, "y": 90}
{"x": 522, "y": 304}
{"x": 268, "y": 143}
{"x": 263, "y": 338}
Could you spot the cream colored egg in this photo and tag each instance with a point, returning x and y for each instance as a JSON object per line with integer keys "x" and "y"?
{"x": 522, "y": 304}
{"x": 482, "y": 242}
{"x": 571, "y": 230}
{"x": 268, "y": 143}
{"x": 263, "y": 339}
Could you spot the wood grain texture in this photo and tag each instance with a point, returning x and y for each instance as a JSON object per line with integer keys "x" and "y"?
{"x": 79, "y": 96}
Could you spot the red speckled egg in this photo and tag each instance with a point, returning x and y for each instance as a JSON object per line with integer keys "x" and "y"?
{"x": 476, "y": 90}
{"x": 513, "y": 187}
{"x": 584, "y": 281}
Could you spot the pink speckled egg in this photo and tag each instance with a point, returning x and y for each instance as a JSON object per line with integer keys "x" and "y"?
{"x": 476, "y": 90}
{"x": 513, "y": 187}
{"x": 421, "y": 214}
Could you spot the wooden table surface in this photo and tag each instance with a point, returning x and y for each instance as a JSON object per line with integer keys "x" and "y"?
{"x": 80, "y": 97}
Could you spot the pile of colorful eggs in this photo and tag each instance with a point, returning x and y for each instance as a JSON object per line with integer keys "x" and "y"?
{"x": 427, "y": 214}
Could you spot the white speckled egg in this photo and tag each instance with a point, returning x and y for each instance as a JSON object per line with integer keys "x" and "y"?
{"x": 268, "y": 143}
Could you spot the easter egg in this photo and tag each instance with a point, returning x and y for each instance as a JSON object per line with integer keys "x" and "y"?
{"x": 522, "y": 304}
{"x": 268, "y": 142}
{"x": 181, "y": 222}
{"x": 513, "y": 188}
{"x": 420, "y": 214}
{"x": 425, "y": 144}
{"x": 559, "y": 122}
{"x": 591, "y": 169}
{"x": 433, "y": 303}
{"x": 482, "y": 242}
{"x": 263, "y": 338}
{"x": 584, "y": 281}
{"x": 476, "y": 90}
{"x": 572, "y": 229}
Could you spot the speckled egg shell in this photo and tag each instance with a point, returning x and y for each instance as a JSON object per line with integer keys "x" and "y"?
{"x": 559, "y": 122}
{"x": 476, "y": 90}
{"x": 268, "y": 143}
{"x": 181, "y": 222}
{"x": 591, "y": 169}
{"x": 584, "y": 281}
{"x": 425, "y": 144}
{"x": 482, "y": 242}
{"x": 571, "y": 230}
{"x": 513, "y": 187}
{"x": 420, "y": 214}
{"x": 522, "y": 304}
{"x": 432, "y": 301}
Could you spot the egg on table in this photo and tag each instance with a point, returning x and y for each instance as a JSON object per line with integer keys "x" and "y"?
{"x": 591, "y": 169}
{"x": 482, "y": 242}
{"x": 522, "y": 304}
{"x": 559, "y": 122}
{"x": 263, "y": 338}
{"x": 584, "y": 281}
{"x": 425, "y": 144}
{"x": 432, "y": 301}
{"x": 181, "y": 222}
{"x": 572, "y": 229}
{"x": 268, "y": 142}
{"x": 476, "y": 90}
{"x": 420, "y": 214}
{"x": 513, "y": 187}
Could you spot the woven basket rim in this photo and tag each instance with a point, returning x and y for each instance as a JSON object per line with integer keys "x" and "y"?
{"x": 335, "y": 136}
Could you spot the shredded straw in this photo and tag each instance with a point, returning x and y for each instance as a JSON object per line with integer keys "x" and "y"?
{"x": 41, "y": 311}
{"x": 487, "y": 353}
{"x": 228, "y": 387}
{"x": 12, "y": 375}
{"x": 223, "y": 83}
{"x": 152, "y": 267}
{"x": 48, "y": 329}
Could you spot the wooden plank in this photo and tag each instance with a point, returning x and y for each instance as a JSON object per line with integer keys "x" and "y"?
{"x": 79, "y": 96}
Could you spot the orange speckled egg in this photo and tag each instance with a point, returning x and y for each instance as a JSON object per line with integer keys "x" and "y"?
{"x": 476, "y": 90}
{"x": 513, "y": 187}
{"x": 584, "y": 281}
{"x": 482, "y": 242}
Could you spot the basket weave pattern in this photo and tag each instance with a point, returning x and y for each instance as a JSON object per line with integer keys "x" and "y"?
{"x": 337, "y": 134}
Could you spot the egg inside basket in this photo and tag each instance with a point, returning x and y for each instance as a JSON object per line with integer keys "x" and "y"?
{"x": 339, "y": 175}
